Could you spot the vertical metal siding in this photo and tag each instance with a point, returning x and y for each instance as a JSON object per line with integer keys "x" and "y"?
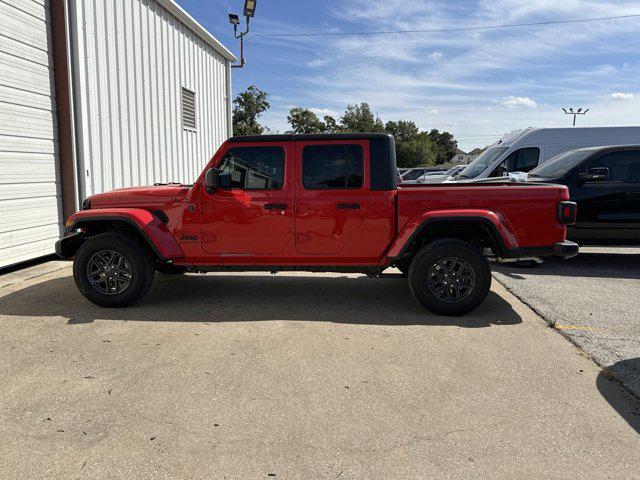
{"x": 29, "y": 177}
{"x": 130, "y": 60}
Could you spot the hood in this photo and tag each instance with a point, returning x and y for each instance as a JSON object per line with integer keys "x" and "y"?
{"x": 152, "y": 196}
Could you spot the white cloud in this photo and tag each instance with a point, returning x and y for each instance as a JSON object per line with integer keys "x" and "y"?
{"x": 622, "y": 96}
{"x": 321, "y": 112}
{"x": 489, "y": 81}
{"x": 513, "y": 102}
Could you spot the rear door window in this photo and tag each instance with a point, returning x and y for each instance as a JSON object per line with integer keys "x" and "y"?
{"x": 332, "y": 167}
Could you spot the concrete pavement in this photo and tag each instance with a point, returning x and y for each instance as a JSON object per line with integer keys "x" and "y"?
{"x": 593, "y": 299}
{"x": 298, "y": 376}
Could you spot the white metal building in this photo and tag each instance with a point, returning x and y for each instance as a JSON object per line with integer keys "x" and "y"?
{"x": 29, "y": 181}
{"x": 97, "y": 95}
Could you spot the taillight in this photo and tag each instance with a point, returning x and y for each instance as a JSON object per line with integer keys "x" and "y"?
{"x": 567, "y": 212}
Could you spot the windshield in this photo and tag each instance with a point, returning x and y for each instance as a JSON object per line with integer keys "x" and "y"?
{"x": 481, "y": 163}
{"x": 413, "y": 174}
{"x": 561, "y": 164}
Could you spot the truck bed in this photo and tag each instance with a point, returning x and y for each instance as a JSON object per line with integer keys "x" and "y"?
{"x": 528, "y": 209}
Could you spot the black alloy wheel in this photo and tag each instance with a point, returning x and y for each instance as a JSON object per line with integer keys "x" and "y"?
{"x": 450, "y": 277}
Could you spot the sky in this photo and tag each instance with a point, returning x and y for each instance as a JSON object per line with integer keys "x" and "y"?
{"x": 478, "y": 85}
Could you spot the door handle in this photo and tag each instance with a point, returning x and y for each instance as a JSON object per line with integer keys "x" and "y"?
{"x": 275, "y": 206}
{"x": 348, "y": 206}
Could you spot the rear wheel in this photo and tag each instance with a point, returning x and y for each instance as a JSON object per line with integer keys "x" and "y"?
{"x": 112, "y": 270}
{"x": 450, "y": 277}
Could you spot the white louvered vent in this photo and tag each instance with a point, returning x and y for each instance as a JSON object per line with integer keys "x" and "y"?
{"x": 188, "y": 109}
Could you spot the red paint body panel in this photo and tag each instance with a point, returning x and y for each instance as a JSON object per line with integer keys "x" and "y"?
{"x": 232, "y": 227}
{"x": 321, "y": 228}
{"x": 525, "y": 216}
{"x": 235, "y": 222}
{"x": 410, "y": 227}
{"x": 156, "y": 231}
{"x": 151, "y": 195}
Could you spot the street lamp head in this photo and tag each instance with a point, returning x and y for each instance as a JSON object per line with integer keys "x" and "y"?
{"x": 586, "y": 110}
{"x": 234, "y": 19}
{"x": 579, "y": 110}
{"x": 249, "y": 8}
{"x": 565, "y": 110}
{"x": 571, "y": 109}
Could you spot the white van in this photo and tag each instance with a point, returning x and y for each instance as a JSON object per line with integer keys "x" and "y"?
{"x": 523, "y": 150}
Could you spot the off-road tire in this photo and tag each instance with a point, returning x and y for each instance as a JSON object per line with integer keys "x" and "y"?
{"x": 137, "y": 260}
{"x": 432, "y": 259}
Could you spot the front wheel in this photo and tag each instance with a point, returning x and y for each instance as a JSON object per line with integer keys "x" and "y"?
{"x": 450, "y": 277}
{"x": 112, "y": 270}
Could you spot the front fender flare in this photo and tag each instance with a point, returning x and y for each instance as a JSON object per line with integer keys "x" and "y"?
{"x": 498, "y": 227}
{"x": 150, "y": 227}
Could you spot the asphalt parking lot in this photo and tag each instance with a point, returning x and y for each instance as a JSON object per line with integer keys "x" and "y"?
{"x": 297, "y": 376}
{"x": 593, "y": 299}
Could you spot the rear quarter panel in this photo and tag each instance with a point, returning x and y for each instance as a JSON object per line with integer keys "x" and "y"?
{"x": 527, "y": 214}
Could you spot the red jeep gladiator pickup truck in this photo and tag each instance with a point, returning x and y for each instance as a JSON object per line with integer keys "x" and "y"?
{"x": 316, "y": 203}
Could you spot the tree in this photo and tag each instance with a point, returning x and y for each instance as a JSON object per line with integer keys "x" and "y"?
{"x": 444, "y": 144}
{"x": 402, "y": 130}
{"x": 413, "y": 147}
{"x": 247, "y": 108}
{"x": 303, "y": 120}
{"x": 331, "y": 125}
{"x": 360, "y": 118}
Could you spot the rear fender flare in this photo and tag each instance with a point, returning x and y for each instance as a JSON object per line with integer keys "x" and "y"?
{"x": 497, "y": 226}
{"x": 148, "y": 225}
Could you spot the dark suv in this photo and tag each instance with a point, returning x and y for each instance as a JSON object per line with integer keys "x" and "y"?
{"x": 605, "y": 183}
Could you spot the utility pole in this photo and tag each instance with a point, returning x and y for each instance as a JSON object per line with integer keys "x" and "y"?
{"x": 575, "y": 114}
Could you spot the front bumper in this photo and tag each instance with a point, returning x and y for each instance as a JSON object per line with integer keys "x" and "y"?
{"x": 67, "y": 246}
{"x": 566, "y": 249}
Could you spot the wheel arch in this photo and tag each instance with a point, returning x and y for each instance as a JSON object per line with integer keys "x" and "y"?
{"x": 148, "y": 229}
{"x": 478, "y": 230}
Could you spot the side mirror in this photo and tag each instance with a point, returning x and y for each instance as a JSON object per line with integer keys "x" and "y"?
{"x": 595, "y": 175}
{"x": 214, "y": 179}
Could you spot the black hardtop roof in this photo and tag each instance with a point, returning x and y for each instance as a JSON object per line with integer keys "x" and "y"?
{"x": 290, "y": 137}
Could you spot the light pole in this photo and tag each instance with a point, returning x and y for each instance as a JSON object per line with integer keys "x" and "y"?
{"x": 249, "y": 12}
{"x": 575, "y": 114}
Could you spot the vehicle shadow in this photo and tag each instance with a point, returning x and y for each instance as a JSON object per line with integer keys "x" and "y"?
{"x": 228, "y": 298}
{"x": 627, "y": 372}
{"x": 595, "y": 265}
